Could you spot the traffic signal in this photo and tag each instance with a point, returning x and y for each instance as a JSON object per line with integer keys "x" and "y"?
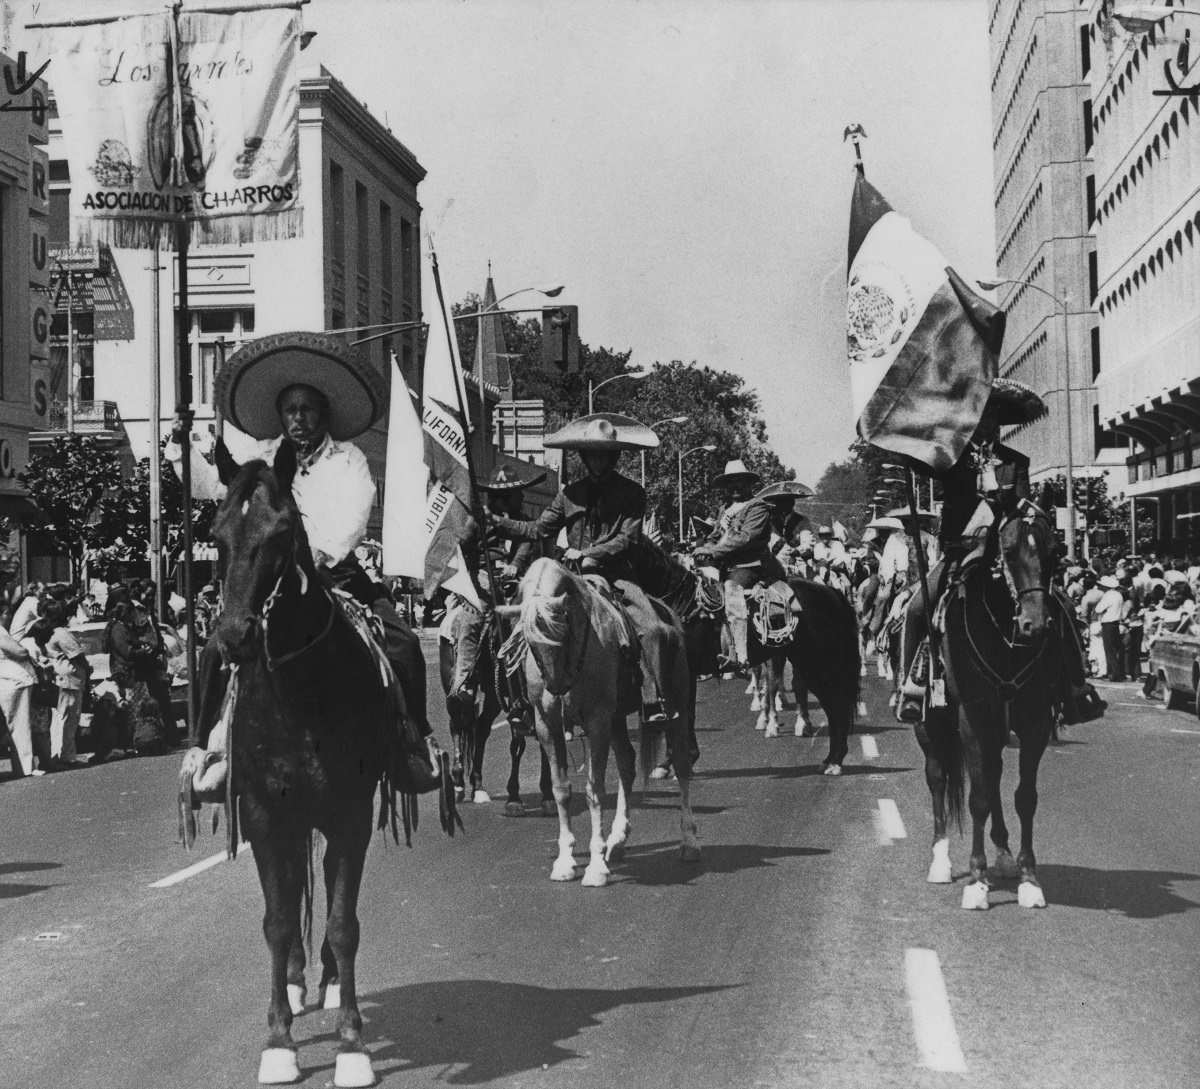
{"x": 560, "y": 338}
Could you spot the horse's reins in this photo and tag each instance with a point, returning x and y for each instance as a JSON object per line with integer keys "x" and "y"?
{"x": 273, "y": 662}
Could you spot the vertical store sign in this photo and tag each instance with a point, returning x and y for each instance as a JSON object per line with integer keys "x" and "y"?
{"x": 39, "y": 256}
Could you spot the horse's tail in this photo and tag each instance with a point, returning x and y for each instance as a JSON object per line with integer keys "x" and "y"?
{"x": 953, "y": 762}
{"x": 309, "y": 880}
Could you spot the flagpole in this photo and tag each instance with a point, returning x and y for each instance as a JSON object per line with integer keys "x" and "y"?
{"x": 857, "y": 134}
{"x": 480, "y": 511}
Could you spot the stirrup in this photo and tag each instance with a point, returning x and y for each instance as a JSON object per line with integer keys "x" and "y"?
{"x": 1090, "y": 705}
{"x": 910, "y": 708}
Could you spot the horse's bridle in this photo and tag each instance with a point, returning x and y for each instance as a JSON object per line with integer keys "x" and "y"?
{"x": 1027, "y": 511}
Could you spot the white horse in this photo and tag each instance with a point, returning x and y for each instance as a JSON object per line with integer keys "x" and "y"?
{"x": 579, "y": 678}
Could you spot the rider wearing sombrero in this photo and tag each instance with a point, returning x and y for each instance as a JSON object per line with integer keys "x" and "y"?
{"x": 500, "y": 558}
{"x": 989, "y": 477}
{"x": 307, "y": 395}
{"x": 741, "y": 547}
{"x": 601, "y": 515}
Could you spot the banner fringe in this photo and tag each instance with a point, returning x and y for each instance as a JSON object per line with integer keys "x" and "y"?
{"x": 144, "y": 234}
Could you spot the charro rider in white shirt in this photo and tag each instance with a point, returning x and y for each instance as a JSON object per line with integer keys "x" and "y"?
{"x": 334, "y": 492}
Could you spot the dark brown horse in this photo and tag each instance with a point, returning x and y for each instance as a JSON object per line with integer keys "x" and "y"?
{"x": 999, "y": 675}
{"x": 310, "y": 737}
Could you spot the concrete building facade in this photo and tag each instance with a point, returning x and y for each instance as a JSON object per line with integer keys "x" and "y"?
{"x": 1147, "y": 229}
{"x": 24, "y": 310}
{"x": 1044, "y": 202}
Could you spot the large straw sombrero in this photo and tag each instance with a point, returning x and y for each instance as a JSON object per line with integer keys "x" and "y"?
{"x": 885, "y": 522}
{"x": 249, "y": 385}
{"x": 734, "y": 471}
{"x": 505, "y": 479}
{"x": 603, "y": 431}
{"x": 783, "y": 491}
{"x": 1014, "y": 402}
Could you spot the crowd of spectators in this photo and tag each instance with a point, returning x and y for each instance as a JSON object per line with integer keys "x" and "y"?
{"x": 1123, "y": 606}
{"x": 47, "y": 682}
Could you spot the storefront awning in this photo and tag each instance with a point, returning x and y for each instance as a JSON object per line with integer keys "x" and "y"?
{"x": 1153, "y": 422}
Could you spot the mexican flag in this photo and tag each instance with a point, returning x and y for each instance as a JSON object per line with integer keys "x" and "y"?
{"x": 923, "y": 347}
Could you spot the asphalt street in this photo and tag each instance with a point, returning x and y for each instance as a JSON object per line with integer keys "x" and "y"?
{"x": 805, "y": 949}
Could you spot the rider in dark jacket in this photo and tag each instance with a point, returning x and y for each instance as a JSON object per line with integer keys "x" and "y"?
{"x": 989, "y": 480}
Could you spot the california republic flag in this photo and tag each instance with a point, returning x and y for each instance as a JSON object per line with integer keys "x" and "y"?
{"x": 923, "y": 347}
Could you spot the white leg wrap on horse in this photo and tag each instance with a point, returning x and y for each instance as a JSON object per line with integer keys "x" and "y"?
{"x": 939, "y": 869}
{"x": 333, "y": 997}
{"x": 1030, "y": 895}
{"x": 659, "y": 772}
{"x": 296, "y": 996}
{"x": 975, "y": 896}
{"x": 482, "y": 797}
{"x": 772, "y": 727}
{"x": 752, "y": 690}
{"x": 756, "y": 703}
{"x": 353, "y": 1070}
{"x": 278, "y": 1066}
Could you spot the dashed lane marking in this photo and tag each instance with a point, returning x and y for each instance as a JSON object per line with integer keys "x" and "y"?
{"x": 870, "y": 747}
{"x": 891, "y": 827}
{"x": 933, "y": 1023}
{"x": 1176, "y": 730}
{"x": 199, "y": 867}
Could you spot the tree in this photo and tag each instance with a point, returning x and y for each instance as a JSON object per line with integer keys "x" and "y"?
{"x": 68, "y": 483}
{"x": 122, "y": 529}
{"x": 722, "y": 411}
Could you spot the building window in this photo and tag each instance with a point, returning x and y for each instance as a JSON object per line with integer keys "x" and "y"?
{"x": 1093, "y": 277}
{"x": 1095, "y": 353}
{"x": 60, "y": 218}
{"x": 337, "y": 212}
{"x": 407, "y": 266}
{"x": 363, "y": 228}
{"x": 1087, "y": 124}
{"x": 1090, "y": 182}
{"x": 215, "y": 335}
{"x": 1085, "y": 50}
{"x": 385, "y": 246}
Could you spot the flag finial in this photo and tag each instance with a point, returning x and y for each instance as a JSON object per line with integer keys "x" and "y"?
{"x": 856, "y": 133}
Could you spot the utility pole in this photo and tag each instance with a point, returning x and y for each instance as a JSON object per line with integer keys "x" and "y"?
{"x": 155, "y": 422}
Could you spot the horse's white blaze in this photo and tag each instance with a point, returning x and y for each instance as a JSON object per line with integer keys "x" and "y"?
{"x": 891, "y": 827}
{"x": 933, "y": 1023}
{"x": 870, "y": 747}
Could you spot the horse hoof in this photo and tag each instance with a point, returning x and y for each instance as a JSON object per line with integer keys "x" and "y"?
{"x": 296, "y": 996}
{"x": 594, "y": 878}
{"x": 689, "y": 854}
{"x": 1030, "y": 895}
{"x": 975, "y": 896}
{"x": 756, "y": 704}
{"x": 1005, "y": 865}
{"x": 353, "y": 1069}
{"x": 482, "y": 797}
{"x": 750, "y": 689}
{"x": 803, "y": 729}
{"x": 549, "y": 808}
{"x": 659, "y": 772}
{"x": 333, "y": 997}
{"x": 772, "y": 732}
{"x": 861, "y": 709}
{"x": 832, "y": 769}
{"x": 278, "y": 1066}
{"x": 563, "y": 872}
{"x": 514, "y": 809}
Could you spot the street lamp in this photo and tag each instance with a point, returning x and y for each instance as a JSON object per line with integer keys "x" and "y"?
{"x": 624, "y": 374}
{"x": 710, "y": 448}
{"x": 657, "y": 423}
{"x": 1064, "y": 303}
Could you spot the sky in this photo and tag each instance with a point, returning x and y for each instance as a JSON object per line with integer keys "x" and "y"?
{"x": 679, "y": 164}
